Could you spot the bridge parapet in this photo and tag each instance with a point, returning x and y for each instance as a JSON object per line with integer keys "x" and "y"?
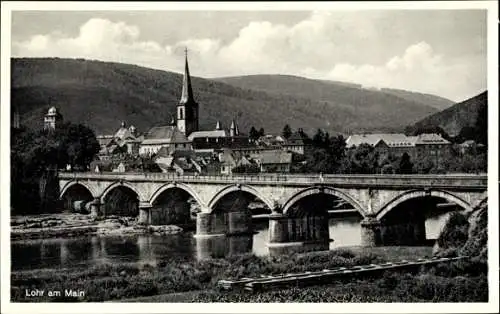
{"x": 457, "y": 181}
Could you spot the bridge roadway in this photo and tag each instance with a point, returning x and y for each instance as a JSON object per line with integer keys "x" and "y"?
{"x": 373, "y": 196}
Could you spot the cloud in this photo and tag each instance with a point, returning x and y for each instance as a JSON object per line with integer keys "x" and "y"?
{"x": 419, "y": 68}
{"x": 326, "y": 45}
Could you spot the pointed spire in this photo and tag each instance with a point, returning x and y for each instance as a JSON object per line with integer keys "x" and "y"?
{"x": 233, "y": 130}
{"x": 187, "y": 90}
{"x": 217, "y": 126}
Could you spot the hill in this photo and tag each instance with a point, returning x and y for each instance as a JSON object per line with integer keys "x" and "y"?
{"x": 437, "y": 102}
{"x": 453, "y": 119}
{"x": 333, "y": 91}
{"x": 101, "y": 94}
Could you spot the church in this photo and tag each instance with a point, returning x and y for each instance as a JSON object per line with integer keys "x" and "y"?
{"x": 183, "y": 132}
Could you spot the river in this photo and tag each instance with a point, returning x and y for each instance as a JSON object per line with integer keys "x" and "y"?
{"x": 93, "y": 250}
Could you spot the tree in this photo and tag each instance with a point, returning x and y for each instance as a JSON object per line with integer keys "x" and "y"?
{"x": 362, "y": 159}
{"x": 261, "y": 132}
{"x": 481, "y": 125}
{"x": 79, "y": 143}
{"x": 318, "y": 139}
{"x": 287, "y": 132}
{"x": 405, "y": 165}
{"x": 246, "y": 169}
{"x": 466, "y": 133}
{"x": 424, "y": 165}
{"x": 37, "y": 155}
{"x": 253, "y": 134}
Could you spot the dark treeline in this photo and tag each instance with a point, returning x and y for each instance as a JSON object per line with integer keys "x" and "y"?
{"x": 36, "y": 155}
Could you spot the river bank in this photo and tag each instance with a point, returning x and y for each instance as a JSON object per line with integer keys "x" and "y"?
{"x": 72, "y": 225}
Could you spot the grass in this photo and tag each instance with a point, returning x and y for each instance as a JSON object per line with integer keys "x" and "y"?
{"x": 392, "y": 287}
{"x": 117, "y": 281}
{"x": 182, "y": 281}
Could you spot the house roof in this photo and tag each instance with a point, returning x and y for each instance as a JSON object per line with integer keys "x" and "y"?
{"x": 391, "y": 139}
{"x": 431, "y": 138}
{"x": 395, "y": 139}
{"x": 163, "y": 135}
{"x": 275, "y": 157}
{"x": 164, "y": 162}
{"x": 104, "y": 140}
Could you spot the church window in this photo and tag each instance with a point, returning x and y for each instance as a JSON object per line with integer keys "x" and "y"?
{"x": 181, "y": 113}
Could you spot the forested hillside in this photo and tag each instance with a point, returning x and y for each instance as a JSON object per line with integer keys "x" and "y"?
{"x": 101, "y": 94}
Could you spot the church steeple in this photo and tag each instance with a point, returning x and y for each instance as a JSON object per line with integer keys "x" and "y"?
{"x": 187, "y": 89}
{"x": 187, "y": 109}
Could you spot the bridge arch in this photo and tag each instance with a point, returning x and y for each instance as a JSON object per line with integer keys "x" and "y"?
{"x": 414, "y": 194}
{"x": 236, "y": 188}
{"x": 181, "y": 186}
{"x": 321, "y": 190}
{"x": 70, "y": 184}
{"x": 121, "y": 184}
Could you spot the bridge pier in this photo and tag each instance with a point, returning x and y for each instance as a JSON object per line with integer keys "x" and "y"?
{"x": 203, "y": 225}
{"x": 289, "y": 234}
{"x": 220, "y": 223}
{"x": 96, "y": 208}
{"x": 144, "y": 213}
{"x": 371, "y": 231}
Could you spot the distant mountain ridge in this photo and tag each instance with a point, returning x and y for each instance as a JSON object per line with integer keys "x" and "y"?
{"x": 453, "y": 119}
{"x": 325, "y": 89}
{"x": 102, "y": 94}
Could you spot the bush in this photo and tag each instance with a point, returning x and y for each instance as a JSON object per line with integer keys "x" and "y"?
{"x": 455, "y": 232}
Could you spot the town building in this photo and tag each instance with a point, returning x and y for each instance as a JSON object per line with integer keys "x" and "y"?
{"x": 298, "y": 143}
{"x": 52, "y": 119}
{"x": 397, "y": 144}
{"x": 126, "y": 140}
{"x": 274, "y": 161}
{"x": 219, "y": 138}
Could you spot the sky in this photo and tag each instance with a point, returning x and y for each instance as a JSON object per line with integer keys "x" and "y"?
{"x": 441, "y": 52}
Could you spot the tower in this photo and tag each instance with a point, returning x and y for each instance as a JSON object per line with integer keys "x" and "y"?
{"x": 51, "y": 119}
{"x": 187, "y": 109}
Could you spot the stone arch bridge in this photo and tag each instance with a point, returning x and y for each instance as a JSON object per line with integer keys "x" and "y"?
{"x": 373, "y": 196}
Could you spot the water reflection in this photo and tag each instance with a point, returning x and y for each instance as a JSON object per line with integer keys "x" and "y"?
{"x": 220, "y": 247}
{"x": 151, "y": 249}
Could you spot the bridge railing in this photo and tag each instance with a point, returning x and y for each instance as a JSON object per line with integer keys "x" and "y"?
{"x": 376, "y": 179}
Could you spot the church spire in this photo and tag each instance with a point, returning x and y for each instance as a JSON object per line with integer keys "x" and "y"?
{"x": 187, "y": 90}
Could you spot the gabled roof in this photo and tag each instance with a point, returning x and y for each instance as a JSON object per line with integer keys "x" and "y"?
{"x": 275, "y": 157}
{"x": 164, "y": 135}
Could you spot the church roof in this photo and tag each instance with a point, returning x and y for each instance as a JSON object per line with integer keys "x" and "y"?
{"x": 203, "y": 134}
{"x": 164, "y": 134}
